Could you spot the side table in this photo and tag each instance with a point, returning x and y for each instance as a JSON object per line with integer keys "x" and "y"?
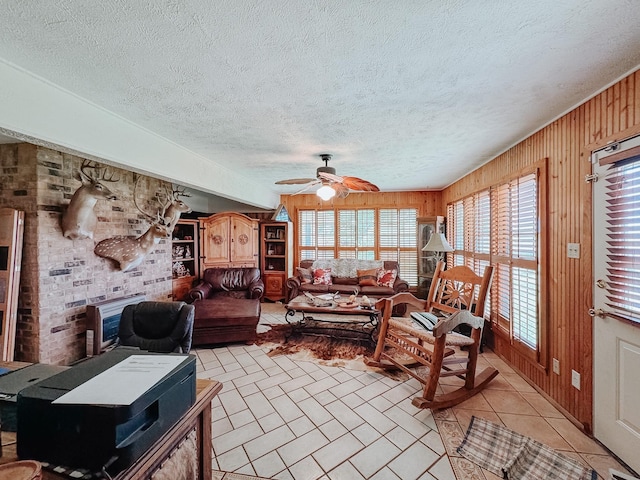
{"x": 198, "y": 417}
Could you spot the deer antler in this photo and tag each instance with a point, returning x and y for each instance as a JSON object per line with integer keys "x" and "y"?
{"x": 180, "y": 192}
{"x": 111, "y": 177}
{"x": 135, "y": 202}
{"x": 162, "y": 211}
{"x": 88, "y": 164}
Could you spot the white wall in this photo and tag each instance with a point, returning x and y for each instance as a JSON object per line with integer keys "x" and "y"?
{"x": 53, "y": 117}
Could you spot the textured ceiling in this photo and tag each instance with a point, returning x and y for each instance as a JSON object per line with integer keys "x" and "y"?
{"x": 410, "y": 95}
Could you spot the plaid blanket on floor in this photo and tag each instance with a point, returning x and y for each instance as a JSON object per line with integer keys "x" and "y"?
{"x": 514, "y": 456}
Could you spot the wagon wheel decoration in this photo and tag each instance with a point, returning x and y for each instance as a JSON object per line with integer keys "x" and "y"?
{"x": 243, "y": 239}
{"x": 456, "y": 294}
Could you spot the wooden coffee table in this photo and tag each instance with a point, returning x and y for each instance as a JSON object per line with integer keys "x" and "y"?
{"x": 335, "y": 327}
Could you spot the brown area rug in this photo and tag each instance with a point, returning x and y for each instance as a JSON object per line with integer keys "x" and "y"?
{"x": 321, "y": 349}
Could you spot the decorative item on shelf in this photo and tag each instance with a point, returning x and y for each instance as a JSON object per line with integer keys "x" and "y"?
{"x": 281, "y": 214}
{"x": 270, "y": 251}
{"x": 187, "y": 251}
{"x": 178, "y": 251}
{"x": 438, "y": 245}
{"x": 180, "y": 270}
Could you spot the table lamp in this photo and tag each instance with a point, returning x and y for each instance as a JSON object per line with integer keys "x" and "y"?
{"x": 439, "y": 245}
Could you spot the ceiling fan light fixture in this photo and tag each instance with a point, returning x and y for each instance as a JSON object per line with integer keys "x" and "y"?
{"x": 325, "y": 192}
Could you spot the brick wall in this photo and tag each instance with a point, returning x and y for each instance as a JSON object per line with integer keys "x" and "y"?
{"x": 61, "y": 276}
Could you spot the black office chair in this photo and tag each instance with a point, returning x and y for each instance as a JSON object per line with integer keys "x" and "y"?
{"x": 162, "y": 327}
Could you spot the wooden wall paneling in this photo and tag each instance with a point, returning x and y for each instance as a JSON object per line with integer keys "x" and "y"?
{"x": 613, "y": 114}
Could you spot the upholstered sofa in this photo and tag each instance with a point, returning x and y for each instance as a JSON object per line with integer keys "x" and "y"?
{"x": 344, "y": 278}
{"x": 227, "y": 305}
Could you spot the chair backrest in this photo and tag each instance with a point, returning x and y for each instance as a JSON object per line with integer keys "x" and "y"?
{"x": 157, "y": 326}
{"x": 231, "y": 278}
{"x": 459, "y": 288}
{"x": 387, "y": 265}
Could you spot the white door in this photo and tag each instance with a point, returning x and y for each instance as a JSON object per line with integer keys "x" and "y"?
{"x": 616, "y": 352}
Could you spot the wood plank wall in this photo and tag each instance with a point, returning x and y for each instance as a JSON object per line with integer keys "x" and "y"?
{"x": 614, "y": 114}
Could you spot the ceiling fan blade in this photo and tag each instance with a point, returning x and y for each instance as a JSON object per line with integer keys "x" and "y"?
{"x": 295, "y": 181}
{"x": 341, "y": 190}
{"x": 330, "y": 176}
{"x": 307, "y": 187}
{"x": 355, "y": 183}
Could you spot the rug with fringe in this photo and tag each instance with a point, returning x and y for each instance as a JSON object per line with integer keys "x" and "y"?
{"x": 517, "y": 457}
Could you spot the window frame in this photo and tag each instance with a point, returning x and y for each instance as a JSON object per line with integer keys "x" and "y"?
{"x": 465, "y": 253}
{"x": 402, "y": 252}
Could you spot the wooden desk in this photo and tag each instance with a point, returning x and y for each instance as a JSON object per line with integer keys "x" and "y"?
{"x": 198, "y": 417}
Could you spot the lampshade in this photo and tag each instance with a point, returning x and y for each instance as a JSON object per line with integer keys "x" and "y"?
{"x": 325, "y": 192}
{"x": 437, "y": 243}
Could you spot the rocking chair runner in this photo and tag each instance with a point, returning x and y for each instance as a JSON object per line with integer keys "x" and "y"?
{"x": 458, "y": 295}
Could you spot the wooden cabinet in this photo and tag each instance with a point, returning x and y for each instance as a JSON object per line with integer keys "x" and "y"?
{"x": 276, "y": 257}
{"x": 426, "y": 260}
{"x": 186, "y": 262}
{"x": 228, "y": 240}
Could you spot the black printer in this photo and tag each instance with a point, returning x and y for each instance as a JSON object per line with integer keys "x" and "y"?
{"x": 95, "y": 435}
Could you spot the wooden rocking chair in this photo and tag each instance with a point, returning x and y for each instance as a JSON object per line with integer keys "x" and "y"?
{"x": 456, "y": 296}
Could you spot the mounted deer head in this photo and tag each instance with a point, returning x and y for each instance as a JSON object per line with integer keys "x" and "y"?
{"x": 174, "y": 207}
{"x": 79, "y": 219}
{"x": 128, "y": 252}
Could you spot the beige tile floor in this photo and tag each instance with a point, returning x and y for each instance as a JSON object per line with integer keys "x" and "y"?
{"x": 283, "y": 418}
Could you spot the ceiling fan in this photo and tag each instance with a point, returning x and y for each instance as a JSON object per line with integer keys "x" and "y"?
{"x": 332, "y": 184}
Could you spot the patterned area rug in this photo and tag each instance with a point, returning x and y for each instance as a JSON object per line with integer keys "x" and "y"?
{"x": 323, "y": 350}
{"x": 515, "y": 456}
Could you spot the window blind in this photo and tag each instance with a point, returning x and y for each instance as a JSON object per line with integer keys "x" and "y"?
{"x": 499, "y": 226}
{"x": 622, "y": 187}
{"x": 368, "y": 233}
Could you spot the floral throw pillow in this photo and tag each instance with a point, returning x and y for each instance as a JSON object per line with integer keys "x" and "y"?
{"x": 368, "y": 277}
{"x": 304, "y": 274}
{"x": 386, "y": 278}
{"x": 322, "y": 276}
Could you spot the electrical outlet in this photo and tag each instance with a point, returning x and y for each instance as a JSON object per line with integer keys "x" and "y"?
{"x": 556, "y": 366}
{"x": 575, "y": 379}
{"x": 573, "y": 250}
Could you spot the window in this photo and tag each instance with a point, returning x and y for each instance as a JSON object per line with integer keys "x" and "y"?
{"x": 499, "y": 227}
{"x": 367, "y": 233}
{"x": 618, "y": 236}
{"x": 515, "y": 254}
{"x": 316, "y": 234}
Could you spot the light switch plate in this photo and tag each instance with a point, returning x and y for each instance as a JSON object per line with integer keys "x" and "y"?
{"x": 556, "y": 366}
{"x": 575, "y": 379}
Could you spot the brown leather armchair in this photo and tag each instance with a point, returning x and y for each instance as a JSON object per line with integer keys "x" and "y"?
{"x": 242, "y": 282}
